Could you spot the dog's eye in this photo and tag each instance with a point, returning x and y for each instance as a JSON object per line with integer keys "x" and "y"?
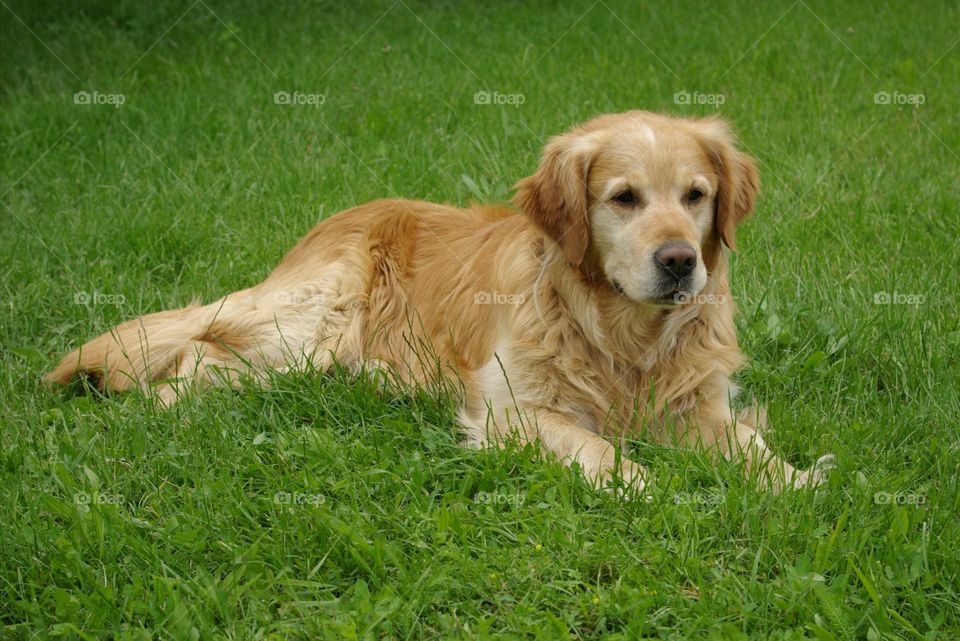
{"x": 625, "y": 198}
{"x": 694, "y": 196}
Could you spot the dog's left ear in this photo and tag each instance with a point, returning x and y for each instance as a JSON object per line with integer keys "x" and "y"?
{"x": 555, "y": 196}
{"x": 739, "y": 180}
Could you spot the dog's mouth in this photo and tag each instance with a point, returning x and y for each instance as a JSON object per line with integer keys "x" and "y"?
{"x": 670, "y": 296}
{"x": 674, "y": 292}
{"x": 673, "y": 297}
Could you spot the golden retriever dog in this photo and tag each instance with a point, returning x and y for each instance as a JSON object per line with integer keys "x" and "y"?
{"x": 600, "y": 310}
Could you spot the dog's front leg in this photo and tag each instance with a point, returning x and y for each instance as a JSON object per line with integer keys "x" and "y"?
{"x": 596, "y": 456}
{"x": 739, "y": 440}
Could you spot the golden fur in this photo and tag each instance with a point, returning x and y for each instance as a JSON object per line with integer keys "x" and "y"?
{"x": 556, "y": 322}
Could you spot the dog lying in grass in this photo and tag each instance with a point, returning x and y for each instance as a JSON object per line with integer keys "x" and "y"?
{"x": 603, "y": 307}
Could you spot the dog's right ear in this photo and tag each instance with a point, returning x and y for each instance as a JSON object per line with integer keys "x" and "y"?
{"x": 555, "y": 196}
{"x": 737, "y": 171}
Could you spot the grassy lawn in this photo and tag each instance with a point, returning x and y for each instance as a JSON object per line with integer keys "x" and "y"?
{"x": 322, "y": 509}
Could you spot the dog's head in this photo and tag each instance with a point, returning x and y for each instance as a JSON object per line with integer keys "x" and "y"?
{"x": 643, "y": 199}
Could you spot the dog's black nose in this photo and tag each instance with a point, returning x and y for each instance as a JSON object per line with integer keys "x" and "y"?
{"x": 677, "y": 259}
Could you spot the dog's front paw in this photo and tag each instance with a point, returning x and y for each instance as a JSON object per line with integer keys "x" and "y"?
{"x": 628, "y": 480}
{"x": 817, "y": 473}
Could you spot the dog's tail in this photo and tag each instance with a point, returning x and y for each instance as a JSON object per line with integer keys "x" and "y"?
{"x": 169, "y": 347}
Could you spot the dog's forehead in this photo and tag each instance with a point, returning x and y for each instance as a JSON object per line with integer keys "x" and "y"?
{"x": 660, "y": 137}
{"x": 647, "y": 149}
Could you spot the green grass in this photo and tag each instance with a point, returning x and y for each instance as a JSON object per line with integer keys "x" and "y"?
{"x": 123, "y": 521}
